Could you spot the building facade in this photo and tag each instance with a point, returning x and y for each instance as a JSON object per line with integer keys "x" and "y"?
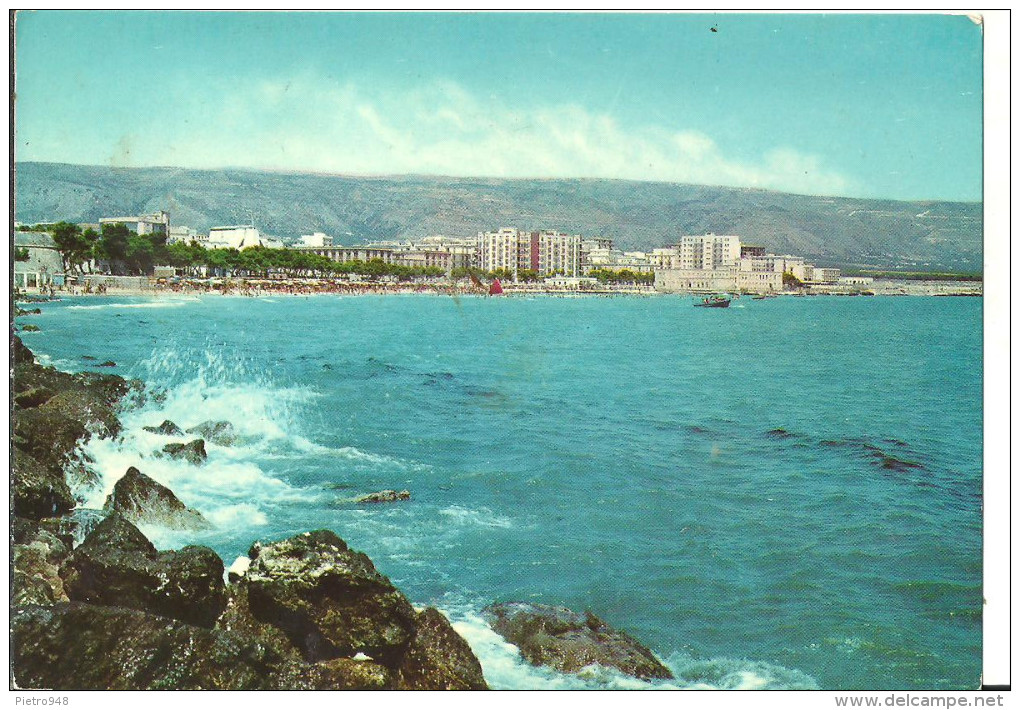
{"x": 156, "y": 223}
{"x": 544, "y": 251}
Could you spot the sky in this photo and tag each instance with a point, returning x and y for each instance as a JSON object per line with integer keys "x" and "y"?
{"x": 885, "y": 106}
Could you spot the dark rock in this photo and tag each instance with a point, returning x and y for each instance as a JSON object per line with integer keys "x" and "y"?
{"x": 192, "y": 452}
{"x": 108, "y": 363}
{"x": 117, "y": 566}
{"x": 21, "y": 354}
{"x": 25, "y": 530}
{"x": 37, "y": 556}
{"x": 38, "y": 491}
{"x": 167, "y": 428}
{"x": 778, "y": 434}
{"x": 384, "y": 497}
{"x": 328, "y": 599}
{"x": 142, "y": 500}
{"x": 891, "y": 463}
{"x": 84, "y": 647}
{"x": 30, "y": 328}
{"x": 568, "y": 641}
{"x": 220, "y": 433}
{"x": 33, "y": 397}
{"x": 81, "y": 405}
{"x": 439, "y": 658}
{"x": 339, "y": 674}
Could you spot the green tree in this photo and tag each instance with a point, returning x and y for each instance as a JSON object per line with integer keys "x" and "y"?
{"x": 20, "y": 254}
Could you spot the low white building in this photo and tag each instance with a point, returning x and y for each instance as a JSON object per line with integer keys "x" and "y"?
{"x": 238, "y": 237}
{"x": 156, "y": 223}
{"x": 181, "y": 235}
{"x": 316, "y": 239}
{"x": 43, "y": 267}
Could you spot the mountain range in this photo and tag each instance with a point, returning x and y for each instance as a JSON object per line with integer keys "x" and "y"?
{"x": 831, "y": 231}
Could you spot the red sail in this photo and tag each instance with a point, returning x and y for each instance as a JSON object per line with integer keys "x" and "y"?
{"x": 495, "y": 288}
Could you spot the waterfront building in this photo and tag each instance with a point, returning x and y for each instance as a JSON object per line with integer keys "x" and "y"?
{"x": 342, "y": 254}
{"x": 156, "y": 223}
{"x": 709, "y": 251}
{"x": 43, "y": 267}
{"x": 545, "y": 251}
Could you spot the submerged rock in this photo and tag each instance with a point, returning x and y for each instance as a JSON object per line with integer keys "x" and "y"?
{"x": 140, "y": 499}
{"x": 167, "y": 428}
{"x": 30, "y": 328}
{"x": 567, "y": 641}
{"x": 108, "y": 363}
{"x": 384, "y": 497}
{"x": 220, "y": 433}
{"x": 328, "y": 599}
{"x": 116, "y": 565}
{"x": 193, "y": 452}
{"x": 85, "y": 647}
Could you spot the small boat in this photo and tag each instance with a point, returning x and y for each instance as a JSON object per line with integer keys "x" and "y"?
{"x": 714, "y": 302}
{"x": 495, "y": 288}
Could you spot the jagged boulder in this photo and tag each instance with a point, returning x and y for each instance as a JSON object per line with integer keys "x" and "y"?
{"x": 567, "y": 641}
{"x": 221, "y": 433}
{"x": 328, "y": 599}
{"x": 438, "y": 658}
{"x": 167, "y": 428}
{"x": 193, "y": 452}
{"x": 38, "y": 491}
{"x": 74, "y": 646}
{"x": 140, "y": 499}
{"x": 21, "y": 355}
{"x": 33, "y": 396}
{"x": 384, "y": 497}
{"x": 48, "y": 436}
{"x": 116, "y": 565}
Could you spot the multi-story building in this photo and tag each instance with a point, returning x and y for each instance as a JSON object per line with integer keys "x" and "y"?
{"x": 710, "y": 251}
{"x": 157, "y": 223}
{"x": 182, "y": 235}
{"x": 234, "y": 237}
{"x": 544, "y": 251}
{"x": 317, "y": 239}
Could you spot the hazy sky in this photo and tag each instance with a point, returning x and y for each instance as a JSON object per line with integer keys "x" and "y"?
{"x": 866, "y": 105}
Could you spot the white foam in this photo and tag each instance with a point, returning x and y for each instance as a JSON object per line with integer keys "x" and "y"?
{"x": 483, "y": 517}
{"x": 169, "y": 303}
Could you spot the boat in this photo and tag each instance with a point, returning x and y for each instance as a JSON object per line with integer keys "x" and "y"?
{"x": 714, "y": 302}
{"x": 495, "y": 288}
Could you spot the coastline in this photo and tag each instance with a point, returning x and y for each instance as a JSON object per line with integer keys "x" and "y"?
{"x": 132, "y": 286}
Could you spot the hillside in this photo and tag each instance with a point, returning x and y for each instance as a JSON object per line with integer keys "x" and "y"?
{"x": 943, "y": 236}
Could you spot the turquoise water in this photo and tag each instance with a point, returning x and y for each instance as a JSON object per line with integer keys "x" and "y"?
{"x": 616, "y": 454}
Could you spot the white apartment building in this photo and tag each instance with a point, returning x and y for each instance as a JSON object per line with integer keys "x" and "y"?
{"x": 182, "y": 235}
{"x": 710, "y": 251}
{"x": 544, "y": 251}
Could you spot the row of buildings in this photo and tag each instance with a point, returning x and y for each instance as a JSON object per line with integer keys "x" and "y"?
{"x": 707, "y": 262}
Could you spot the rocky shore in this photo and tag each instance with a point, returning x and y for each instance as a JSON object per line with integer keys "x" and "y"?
{"x": 113, "y": 612}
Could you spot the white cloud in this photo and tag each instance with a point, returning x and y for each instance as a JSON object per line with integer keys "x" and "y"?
{"x": 442, "y": 129}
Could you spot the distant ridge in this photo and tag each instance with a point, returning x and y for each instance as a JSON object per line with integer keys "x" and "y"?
{"x": 839, "y": 231}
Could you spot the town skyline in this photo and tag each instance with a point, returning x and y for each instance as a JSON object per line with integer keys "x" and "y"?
{"x": 884, "y": 106}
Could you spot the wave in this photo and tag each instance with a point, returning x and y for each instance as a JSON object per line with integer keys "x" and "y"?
{"x": 482, "y": 517}
{"x": 169, "y": 303}
{"x": 505, "y": 669}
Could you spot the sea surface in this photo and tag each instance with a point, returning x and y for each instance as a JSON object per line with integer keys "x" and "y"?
{"x": 782, "y": 494}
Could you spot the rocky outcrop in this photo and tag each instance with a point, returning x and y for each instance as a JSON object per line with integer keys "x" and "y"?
{"x": 38, "y": 491}
{"x": 567, "y": 641}
{"x": 54, "y": 413}
{"x": 37, "y": 554}
{"x": 193, "y": 452}
{"x": 328, "y": 599}
{"x": 384, "y": 497}
{"x": 142, "y": 500}
{"x": 328, "y": 603}
{"x": 220, "y": 433}
{"x": 167, "y": 428}
{"x": 438, "y": 658}
{"x": 117, "y": 566}
{"x": 75, "y": 646}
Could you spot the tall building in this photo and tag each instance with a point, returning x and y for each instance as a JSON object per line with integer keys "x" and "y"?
{"x": 545, "y": 251}
{"x": 710, "y": 251}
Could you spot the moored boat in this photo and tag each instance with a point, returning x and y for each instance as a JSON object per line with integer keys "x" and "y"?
{"x": 713, "y": 302}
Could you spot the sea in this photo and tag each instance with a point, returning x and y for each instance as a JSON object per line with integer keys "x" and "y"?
{"x": 783, "y": 494}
